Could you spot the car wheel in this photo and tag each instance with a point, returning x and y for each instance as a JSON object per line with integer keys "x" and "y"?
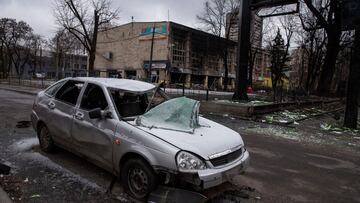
{"x": 45, "y": 139}
{"x": 138, "y": 178}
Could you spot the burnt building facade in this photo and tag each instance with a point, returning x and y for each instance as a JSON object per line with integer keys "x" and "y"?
{"x": 181, "y": 55}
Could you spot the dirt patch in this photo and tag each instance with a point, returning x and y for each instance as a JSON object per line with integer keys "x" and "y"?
{"x": 13, "y": 186}
{"x": 243, "y": 194}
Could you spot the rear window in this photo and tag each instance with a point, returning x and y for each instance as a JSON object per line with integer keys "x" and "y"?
{"x": 69, "y": 92}
{"x": 51, "y": 91}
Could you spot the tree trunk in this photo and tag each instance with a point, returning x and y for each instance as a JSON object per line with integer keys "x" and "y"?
{"x": 327, "y": 74}
{"x": 57, "y": 64}
{"x": 274, "y": 86}
{"x": 252, "y": 56}
{"x": 93, "y": 45}
{"x": 91, "y": 63}
{"x": 2, "y": 60}
{"x": 352, "y": 103}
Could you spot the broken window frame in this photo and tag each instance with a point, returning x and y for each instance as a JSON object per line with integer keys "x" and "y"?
{"x": 131, "y": 118}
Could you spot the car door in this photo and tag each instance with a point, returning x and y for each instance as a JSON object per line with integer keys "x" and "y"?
{"x": 94, "y": 137}
{"x": 61, "y": 111}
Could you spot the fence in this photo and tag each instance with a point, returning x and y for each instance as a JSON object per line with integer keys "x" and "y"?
{"x": 198, "y": 94}
{"x": 28, "y": 82}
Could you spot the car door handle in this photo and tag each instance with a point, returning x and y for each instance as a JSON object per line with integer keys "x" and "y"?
{"x": 79, "y": 115}
{"x": 51, "y": 105}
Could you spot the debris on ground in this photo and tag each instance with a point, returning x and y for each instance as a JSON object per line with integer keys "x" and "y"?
{"x": 237, "y": 195}
{"x": 278, "y": 131}
{"x": 338, "y": 129}
{"x": 23, "y": 124}
{"x": 175, "y": 195}
{"x": 293, "y": 116}
{"x": 35, "y": 195}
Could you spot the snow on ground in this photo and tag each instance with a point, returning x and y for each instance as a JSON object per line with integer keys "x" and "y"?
{"x": 276, "y": 131}
{"x": 24, "y": 147}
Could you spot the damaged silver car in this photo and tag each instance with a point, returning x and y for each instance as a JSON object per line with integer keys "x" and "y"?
{"x": 133, "y": 130}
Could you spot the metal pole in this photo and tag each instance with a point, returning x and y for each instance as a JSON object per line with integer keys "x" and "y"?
{"x": 207, "y": 94}
{"x": 183, "y": 89}
{"x": 242, "y": 58}
{"x": 151, "y": 51}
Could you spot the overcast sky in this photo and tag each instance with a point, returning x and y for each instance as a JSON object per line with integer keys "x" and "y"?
{"x": 38, "y": 13}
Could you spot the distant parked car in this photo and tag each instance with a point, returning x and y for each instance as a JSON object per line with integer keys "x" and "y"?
{"x": 133, "y": 130}
{"x": 40, "y": 75}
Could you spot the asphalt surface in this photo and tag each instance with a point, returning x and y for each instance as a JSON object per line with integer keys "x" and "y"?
{"x": 281, "y": 170}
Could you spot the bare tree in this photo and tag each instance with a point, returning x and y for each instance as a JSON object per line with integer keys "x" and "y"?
{"x": 84, "y": 19}
{"x": 35, "y": 52}
{"x": 328, "y": 15}
{"x": 63, "y": 44}
{"x": 312, "y": 41}
{"x": 17, "y": 39}
{"x": 213, "y": 17}
{"x": 218, "y": 18}
{"x": 5, "y": 38}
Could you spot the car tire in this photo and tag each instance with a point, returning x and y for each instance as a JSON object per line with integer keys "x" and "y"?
{"x": 138, "y": 178}
{"x": 45, "y": 140}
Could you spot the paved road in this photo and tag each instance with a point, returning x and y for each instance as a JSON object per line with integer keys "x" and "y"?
{"x": 281, "y": 170}
{"x": 290, "y": 171}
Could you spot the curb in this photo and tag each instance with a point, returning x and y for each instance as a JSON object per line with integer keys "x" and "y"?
{"x": 19, "y": 91}
{"x": 4, "y": 198}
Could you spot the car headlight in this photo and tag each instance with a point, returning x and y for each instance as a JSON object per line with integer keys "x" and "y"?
{"x": 188, "y": 162}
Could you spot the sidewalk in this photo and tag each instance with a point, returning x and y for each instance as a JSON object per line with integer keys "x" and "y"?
{"x": 21, "y": 89}
{"x": 4, "y": 198}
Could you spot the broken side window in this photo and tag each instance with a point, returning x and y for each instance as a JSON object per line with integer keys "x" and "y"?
{"x": 51, "y": 91}
{"x": 69, "y": 92}
{"x": 93, "y": 97}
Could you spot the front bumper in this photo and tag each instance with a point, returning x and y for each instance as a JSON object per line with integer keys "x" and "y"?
{"x": 215, "y": 176}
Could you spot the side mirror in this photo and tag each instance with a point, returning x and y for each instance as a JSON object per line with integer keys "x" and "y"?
{"x": 98, "y": 113}
{"x": 95, "y": 113}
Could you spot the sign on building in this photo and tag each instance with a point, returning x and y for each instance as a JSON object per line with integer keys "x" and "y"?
{"x": 159, "y": 33}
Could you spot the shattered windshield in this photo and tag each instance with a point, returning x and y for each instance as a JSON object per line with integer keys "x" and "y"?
{"x": 180, "y": 114}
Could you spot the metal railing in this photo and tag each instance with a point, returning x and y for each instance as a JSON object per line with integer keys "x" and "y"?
{"x": 28, "y": 82}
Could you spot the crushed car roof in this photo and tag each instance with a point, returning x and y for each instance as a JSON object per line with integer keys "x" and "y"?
{"x": 123, "y": 84}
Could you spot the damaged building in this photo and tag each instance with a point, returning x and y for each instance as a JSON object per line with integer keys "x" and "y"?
{"x": 181, "y": 55}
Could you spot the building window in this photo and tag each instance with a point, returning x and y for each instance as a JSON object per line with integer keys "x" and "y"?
{"x": 213, "y": 62}
{"x": 178, "y": 53}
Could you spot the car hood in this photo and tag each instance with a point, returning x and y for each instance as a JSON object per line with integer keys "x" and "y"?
{"x": 208, "y": 139}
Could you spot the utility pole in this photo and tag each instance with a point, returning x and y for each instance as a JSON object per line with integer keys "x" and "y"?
{"x": 242, "y": 57}
{"x": 151, "y": 51}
